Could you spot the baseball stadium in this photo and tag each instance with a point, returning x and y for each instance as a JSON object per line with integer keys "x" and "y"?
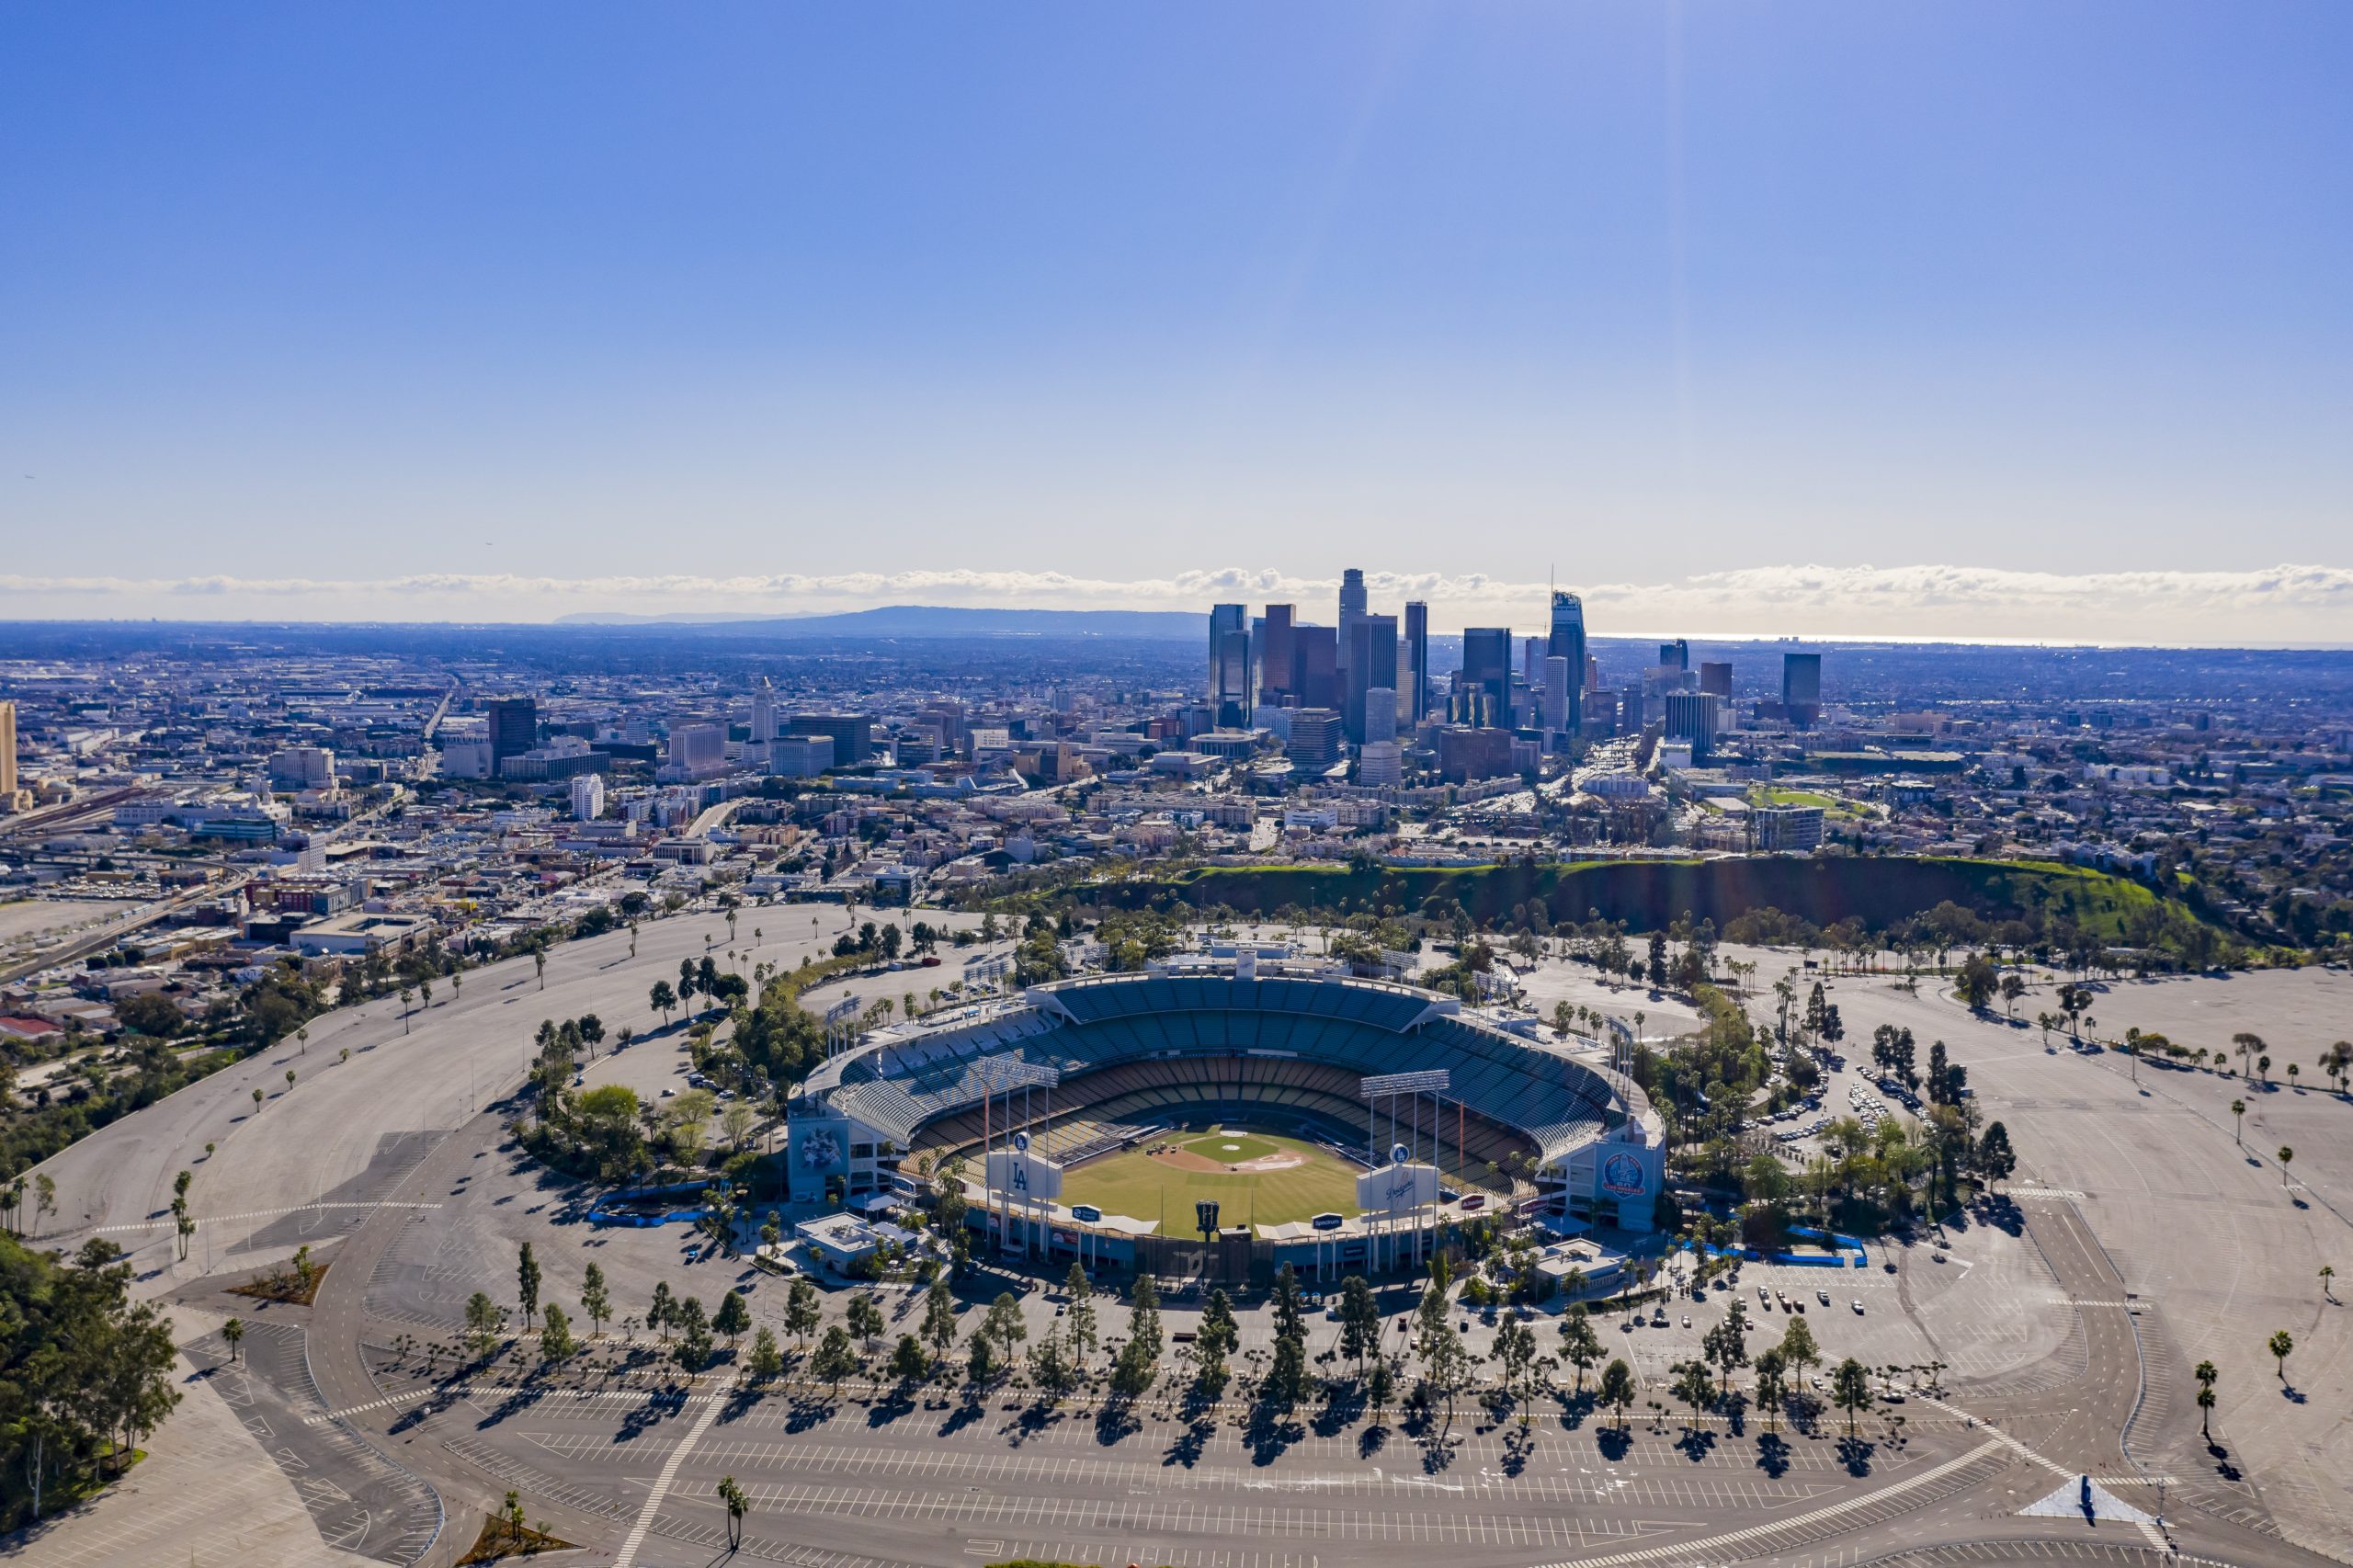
{"x": 1089, "y": 1117}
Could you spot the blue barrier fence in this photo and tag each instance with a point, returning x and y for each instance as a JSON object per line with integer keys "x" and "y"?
{"x": 604, "y": 1215}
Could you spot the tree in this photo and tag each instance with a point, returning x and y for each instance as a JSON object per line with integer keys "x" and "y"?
{"x": 1850, "y": 1390}
{"x": 2282, "y": 1345}
{"x": 1996, "y": 1158}
{"x": 766, "y": 1360}
{"x": 939, "y": 1316}
{"x": 663, "y": 999}
{"x": 834, "y": 1360}
{"x": 694, "y": 1336}
{"x": 866, "y": 1317}
{"x": 1772, "y": 1383}
{"x": 2238, "y": 1122}
{"x": 2286, "y": 1154}
{"x": 1798, "y": 1349}
{"x": 234, "y": 1331}
{"x": 1003, "y": 1324}
{"x": 1139, "y": 1361}
{"x": 801, "y": 1315}
{"x": 594, "y": 1301}
{"x": 1617, "y": 1390}
{"x": 1580, "y": 1347}
{"x": 733, "y": 1317}
{"x": 540, "y": 966}
{"x": 485, "y": 1317}
{"x": 1359, "y": 1320}
{"x": 2206, "y": 1374}
{"x": 527, "y": 1282}
{"x": 511, "y": 1510}
{"x": 2327, "y": 1283}
{"x": 1082, "y": 1333}
{"x": 556, "y": 1343}
{"x": 257, "y": 1101}
{"x": 738, "y": 1504}
{"x": 983, "y": 1366}
{"x": 1694, "y": 1387}
{"x": 908, "y": 1363}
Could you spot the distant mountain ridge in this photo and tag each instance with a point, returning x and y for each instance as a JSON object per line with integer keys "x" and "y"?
{"x": 927, "y": 620}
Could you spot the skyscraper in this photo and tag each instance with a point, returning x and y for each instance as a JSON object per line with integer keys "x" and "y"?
{"x": 1417, "y": 659}
{"x": 1230, "y": 708}
{"x": 513, "y": 727}
{"x": 1801, "y": 688}
{"x": 1277, "y": 657}
{"x": 1716, "y": 680}
{"x": 7, "y": 757}
{"x": 1558, "y": 696}
{"x": 1567, "y": 642}
{"x": 1222, "y": 620}
{"x": 1352, "y": 604}
{"x": 1486, "y": 675}
{"x": 1316, "y": 650}
{"x": 1372, "y": 666}
{"x": 1674, "y": 656}
{"x": 763, "y": 713}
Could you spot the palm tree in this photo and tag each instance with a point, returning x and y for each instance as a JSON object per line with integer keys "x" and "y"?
{"x": 2286, "y": 1154}
{"x": 2206, "y": 1375}
{"x": 733, "y": 1495}
{"x": 234, "y": 1331}
{"x": 2327, "y": 1281}
{"x": 2282, "y": 1345}
{"x": 2239, "y": 1119}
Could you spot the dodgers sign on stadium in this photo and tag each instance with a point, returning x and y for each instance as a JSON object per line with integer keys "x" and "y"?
{"x": 1023, "y": 1177}
{"x": 1622, "y": 1176}
{"x": 1393, "y": 1189}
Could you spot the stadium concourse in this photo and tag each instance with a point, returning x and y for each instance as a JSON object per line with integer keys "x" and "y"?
{"x": 1083, "y": 1069}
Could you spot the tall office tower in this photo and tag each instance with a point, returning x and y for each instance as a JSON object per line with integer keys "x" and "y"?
{"x": 1314, "y": 737}
{"x": 8, "y": 751}
{"x": 1373, "y": 664}
{"x": 1222, "y": 620}
{"x": 1417, "y": 659}
{"x": 588, "y": 797}
{"x": 1567, "y": 642}
{"x": 1532, "y": 654}
{"x": 763, "y": 713}
{"x": 1379, "y": 714}
{"x": 1557, "y": 699}
{"x": 852, "y": 734}
{"x": 1632, "y": 714}
{"x": 1352, "y": 603}
{"x": 1801, "y": 688}
{"x": 1693, "y": 716}
{"x": 1486, "y": 674}
{"x": 1716, "y": 680}
{"x": 1232, "y": 702}
{"x": 1674, "y": 656}
{"x": 1318, "y": 682}
{"x": 1277, "y": 657}
{"x": 513, "y": 727}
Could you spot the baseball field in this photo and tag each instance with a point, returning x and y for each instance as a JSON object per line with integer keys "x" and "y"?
{"x": 1256, "y": 1177}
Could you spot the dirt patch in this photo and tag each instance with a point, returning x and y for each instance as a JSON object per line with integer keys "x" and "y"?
{"x": 1176, "y": 1158}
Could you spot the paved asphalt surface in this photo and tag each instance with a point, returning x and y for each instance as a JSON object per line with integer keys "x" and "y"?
{"x": 393, "y": 1167}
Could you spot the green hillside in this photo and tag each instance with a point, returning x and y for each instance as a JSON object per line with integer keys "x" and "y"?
{"x": 1878, "y": 891}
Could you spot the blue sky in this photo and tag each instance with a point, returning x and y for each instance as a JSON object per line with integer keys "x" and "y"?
{"x": 1742, "y": 312}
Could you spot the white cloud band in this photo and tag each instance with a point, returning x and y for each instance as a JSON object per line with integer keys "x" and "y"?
{"x": 2293, "y": 605}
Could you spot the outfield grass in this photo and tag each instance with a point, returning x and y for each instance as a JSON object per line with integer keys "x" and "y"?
{"x": 1231, "y": 1148}
{"x": 1132, "y": 1183}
